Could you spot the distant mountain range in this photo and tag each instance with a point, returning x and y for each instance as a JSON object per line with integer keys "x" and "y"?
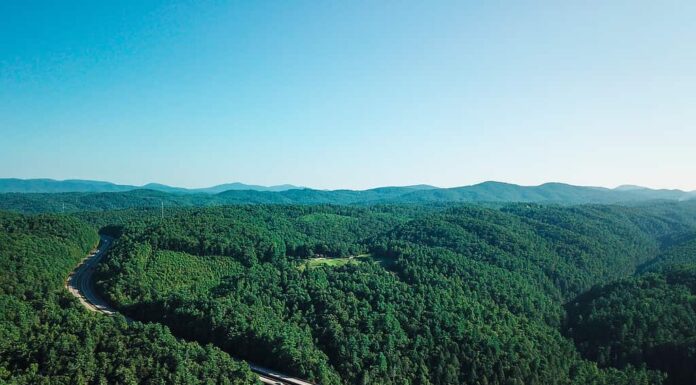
{"x": 14, "y": 185}
{"x": 49, "y": 195}
{"x": 483, "y": 192}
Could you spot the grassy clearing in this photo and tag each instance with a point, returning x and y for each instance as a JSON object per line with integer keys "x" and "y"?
{"x": 337, "y": 262}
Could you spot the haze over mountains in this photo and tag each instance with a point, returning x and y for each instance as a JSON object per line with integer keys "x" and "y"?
{"x": 44, "y": 185}
{"x": 72, "y": 195}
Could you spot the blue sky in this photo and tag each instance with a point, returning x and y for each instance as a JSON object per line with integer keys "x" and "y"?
{"x": 350, "y": 94}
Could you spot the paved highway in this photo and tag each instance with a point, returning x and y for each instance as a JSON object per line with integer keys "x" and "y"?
{"x": 80, "y": 284}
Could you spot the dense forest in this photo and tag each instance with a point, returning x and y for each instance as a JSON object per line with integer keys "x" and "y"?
{"x": 370, "y": 294}
{"x": 391, "y": 294}
{"x": 47, "y": 337}
{"x": 648, "y": 319}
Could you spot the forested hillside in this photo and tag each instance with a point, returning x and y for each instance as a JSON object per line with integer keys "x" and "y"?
{"x": 451, "y": 192}
{"x": 377, "y": 294}
{"x": 47, "y": 337}
{"x": 648, "y": 319}
{"x": 487, "y": 192}
{"x": 390, "y": 294}
{"x": 681, "y": 250}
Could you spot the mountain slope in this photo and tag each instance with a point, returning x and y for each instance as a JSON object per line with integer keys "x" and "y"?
{"x": 482, "y": 192}
{"x": 549, "y": 192}
{"x": 58, "y": 186}
{"x": 15, "y": 185}
{"x": 488, "y": 192}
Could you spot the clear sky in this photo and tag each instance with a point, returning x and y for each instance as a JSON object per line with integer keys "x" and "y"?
{"x": 350, "y": 94}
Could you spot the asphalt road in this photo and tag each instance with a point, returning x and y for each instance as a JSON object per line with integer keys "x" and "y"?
{"x": 80, "y": 284}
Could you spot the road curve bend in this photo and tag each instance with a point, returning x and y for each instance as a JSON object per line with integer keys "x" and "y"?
{"x": 80, "y": 284}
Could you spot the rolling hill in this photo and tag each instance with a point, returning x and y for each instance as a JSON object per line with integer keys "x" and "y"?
{"x": 488, "y": 192}
{"x": 14, "y": 185}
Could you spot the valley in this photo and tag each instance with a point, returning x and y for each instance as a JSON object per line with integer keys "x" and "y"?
{"x": 347, "y": 193}
{"x": 391, "y": 294}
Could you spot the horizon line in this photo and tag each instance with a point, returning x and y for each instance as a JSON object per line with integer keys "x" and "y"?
{"x": 300, "y": 187}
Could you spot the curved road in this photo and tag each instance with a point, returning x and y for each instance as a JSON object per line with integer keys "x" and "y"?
{"x": 80, "y": 284}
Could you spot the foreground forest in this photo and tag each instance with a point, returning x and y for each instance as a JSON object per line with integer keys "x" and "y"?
{"x": 47, "y": 337}
{"x": 380, "y": 294}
